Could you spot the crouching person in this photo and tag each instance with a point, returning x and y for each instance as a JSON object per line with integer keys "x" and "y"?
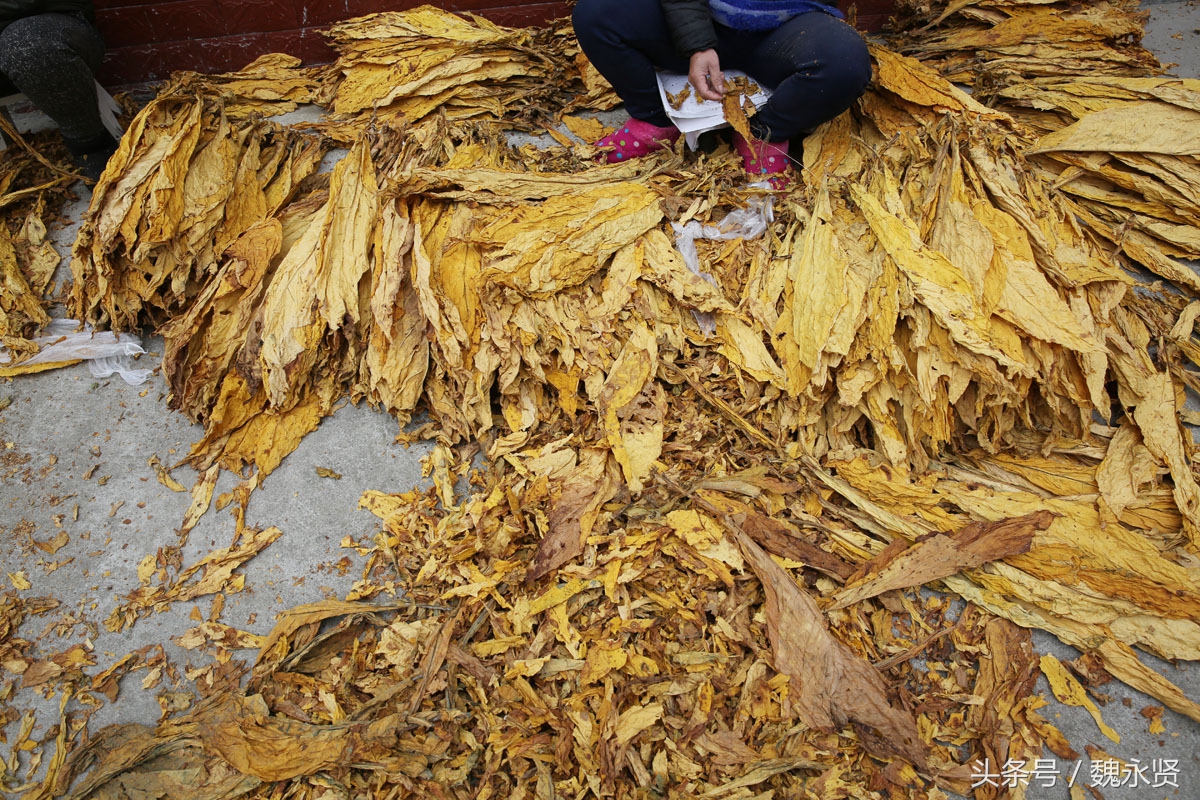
{"x": 49, "y": 51}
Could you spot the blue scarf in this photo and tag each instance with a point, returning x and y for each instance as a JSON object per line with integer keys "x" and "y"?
{"x": 763, "y": 15}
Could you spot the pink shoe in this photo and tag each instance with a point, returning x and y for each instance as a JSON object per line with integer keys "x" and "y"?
{"x": 766, "y": 160}
{"x": 636, "y": 138}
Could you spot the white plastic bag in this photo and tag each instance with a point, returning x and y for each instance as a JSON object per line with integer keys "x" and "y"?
{"x": 745, "y": 223}
{"x": 107, "y": 353}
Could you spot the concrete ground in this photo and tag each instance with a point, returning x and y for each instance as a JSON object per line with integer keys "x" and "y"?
{"x": 74, "y": 457}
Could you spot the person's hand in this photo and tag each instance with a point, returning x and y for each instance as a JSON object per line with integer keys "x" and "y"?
{"x": 704, "y": 72}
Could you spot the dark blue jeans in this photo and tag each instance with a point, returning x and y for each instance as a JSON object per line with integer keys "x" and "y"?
{"x": 50, "y": 58}
{"x": 815, "y": 64}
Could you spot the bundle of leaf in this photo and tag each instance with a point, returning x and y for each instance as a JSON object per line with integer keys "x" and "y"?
{"x": 184, "y": 184}
{"x": 27, "y": 264}
{"x": 967, "y": 308}
{"x": 273, "y": 84}
{"x": 416, "y": 63}
{"x": 30, "y": 183}
{"x": 1128, "y": 151}
{"x": 990, "y": 44}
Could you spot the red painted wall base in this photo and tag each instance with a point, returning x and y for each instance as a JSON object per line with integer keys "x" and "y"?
{"x": 149, "y": 39}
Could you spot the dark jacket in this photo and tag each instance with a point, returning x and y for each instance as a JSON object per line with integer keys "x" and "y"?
{"x": 13, "y": 10}
{"x": 690, "y": 23}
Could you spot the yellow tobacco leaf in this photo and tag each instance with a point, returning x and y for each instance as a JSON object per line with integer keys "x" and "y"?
{"x": 586, "y": 128}
{"x": 492, "y": 184}
{"x": 564, "y": 240}
{"x": 1139, "y": 127}
{"x": 823, "y": 286}
{"x": 497, "y": 646}
{"x": 21, "y": 313}
{"x": 919, "y": 84}
{"x": 760, "y": 772}
{"x": 742, "y": 344}
{"x": 1068, "y": 691}
{"x": 706, "y": 536}
{"x": 225, "y": 636}
{"x": 939, "y": 284}
{"x": 1127, "y": 467}
{"x": 478, "y": 583}
{"x": 553, "y": 461}
{"x": 164, "y": 477}
{"x": 215, "y": 569}
{"x": 402, "y": 641}
{"x": 631, "y": 406}
{"x": 1027, "y": 299}
{"x": 1152, "y": 396}
{"x": 1119, "y": 660}
{"x": 1154, "y": 714}
{"x": 202, "y": 344}
{"x": 164, "y": 203}
{"x": 291, "y": 328}
{"x": 297, "y": 617}
{"x": 270, "y": 748}
{"x": 1055, "y": 475}
{"x": 347, "y": 236}
{"x": 633, "y": 721}
{"x": 33, "y": 369}
{"x": 146, "y": 568}
{"x": 665, "y": 268}
{"x": 560, "y": 594}
{"x": 269, "y": 436}
{"x": 601, "y": 660}
{"x": 526, "y": 667}
{"x": 1075, "y": 539}
{"x": 397, "y": 356}
{"x": 735, "y": 114}
{"x": 275, "y": 78}
{"x": 202, "y": 494}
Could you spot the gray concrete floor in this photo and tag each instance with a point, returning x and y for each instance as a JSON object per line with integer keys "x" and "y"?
{"x": 74, "y": 453}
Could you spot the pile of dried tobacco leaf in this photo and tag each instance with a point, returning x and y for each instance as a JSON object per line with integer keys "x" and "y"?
{"x": 29, "y": 184}
{"x": 689, "y": 566}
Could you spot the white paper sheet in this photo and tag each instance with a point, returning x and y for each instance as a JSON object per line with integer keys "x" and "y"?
{"x": 695, "y": 116}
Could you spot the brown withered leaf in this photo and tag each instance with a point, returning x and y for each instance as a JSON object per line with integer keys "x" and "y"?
{"x": 1004, "y": 687}
{"x": 299, "y": 617}
{"x": 938, "y": 555}
{"x": 574, "y": 504}
{"x": 775, "y": 536}
{"x": 131, "y": 758}
{"x": 833, "y": 686}
{"x": 244, "y": 733}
